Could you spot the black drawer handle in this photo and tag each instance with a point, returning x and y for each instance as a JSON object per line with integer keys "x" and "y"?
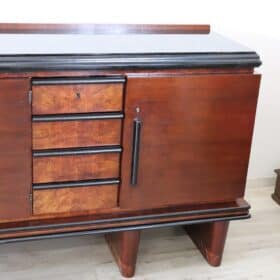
{"x": 135, "y": 150}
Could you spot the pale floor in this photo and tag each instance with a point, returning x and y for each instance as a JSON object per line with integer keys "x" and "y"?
{"x": 252, "y": 252}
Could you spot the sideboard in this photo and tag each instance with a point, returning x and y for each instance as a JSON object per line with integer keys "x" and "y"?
{"x": 114, "y": 129}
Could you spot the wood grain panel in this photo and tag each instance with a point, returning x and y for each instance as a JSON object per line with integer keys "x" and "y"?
{"x": 125, "y": 72}
{"x": 15, "y": 149}
{"x": 76, "y": 98}
{"x": 74, "y": 199}
{"x": 67, "y": 134}
{"x": 75, "y": 168}
{"x": 195, "y": 138}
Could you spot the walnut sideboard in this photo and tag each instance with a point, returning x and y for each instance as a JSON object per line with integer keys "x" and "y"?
{"x": 116, "y": 129}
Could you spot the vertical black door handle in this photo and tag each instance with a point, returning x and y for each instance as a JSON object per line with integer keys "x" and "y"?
{"x": 135, "y": 150}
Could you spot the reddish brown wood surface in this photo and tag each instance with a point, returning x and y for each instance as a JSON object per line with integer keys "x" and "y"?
{"x": 210, "y": 240}
{"x": 195, "y": 138}
{"x": 15, "y": 149}
{"x": 80, "y": 98}
{"x": 104, "y": 28}
{"x": 75, "y": 168}
{"x": 67, "y": 134}
{"x": 124, "y": 247}
{"x": 129, "y": 73}
{"x": 74, "y": 199}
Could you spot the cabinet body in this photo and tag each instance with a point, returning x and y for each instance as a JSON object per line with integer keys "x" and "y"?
{"x": 190, "y": 148}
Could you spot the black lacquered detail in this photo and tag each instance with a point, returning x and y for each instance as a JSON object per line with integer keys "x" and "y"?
{"x": 75, "y": 184}
{"x": 123, "y": 228}
{"x": 77, "y": 151}
{"x": 127, "y": 61}
{"x": 135, "y": 150}
{"x": 128, "y": 219}
{"x": 72, "y": 81}
{"x": 77, "y": 117}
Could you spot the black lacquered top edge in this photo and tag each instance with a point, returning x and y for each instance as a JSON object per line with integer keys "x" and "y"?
{"x": 127, "y": 61}
{"x": 89, "y": 80}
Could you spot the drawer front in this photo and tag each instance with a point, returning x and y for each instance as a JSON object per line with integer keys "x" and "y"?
{"x": 75, "y": 168}
{"x": 67, "y": 134}
{"x": 68, "y": 200}
{"x": 77, "y": 98}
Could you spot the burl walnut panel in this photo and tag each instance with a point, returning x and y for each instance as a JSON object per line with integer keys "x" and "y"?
{"x": 195, "y": 138}
{"x": 15, "y": 149}
{"x": 76, "y": 98}
{"x": 75, "y": 167}
{"x": 80, "y": 199}
{"x": 67, "y": 134}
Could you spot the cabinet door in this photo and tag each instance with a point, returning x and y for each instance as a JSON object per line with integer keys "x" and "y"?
{"x": 15, "y": 149}
{"x": 194, "y": 139}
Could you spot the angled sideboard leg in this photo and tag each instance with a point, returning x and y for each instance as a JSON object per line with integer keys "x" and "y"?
{"x": 124, "y": 247}
{"x": 210, "y": 239}
{"x": 276, "y": 194}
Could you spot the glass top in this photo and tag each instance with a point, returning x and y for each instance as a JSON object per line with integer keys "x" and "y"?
{"x": 36, "y": 44}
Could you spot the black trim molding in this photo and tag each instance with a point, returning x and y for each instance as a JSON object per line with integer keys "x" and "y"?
{"x": 77, "y": 151}
{"x": 71, "y": 81}
{"x": 128, "y": 219}
{"x": 123, "y": 228}
{"x": 77, "y": 117}
{"x": 75, "y": 184}
{"x": 127, "y": 61}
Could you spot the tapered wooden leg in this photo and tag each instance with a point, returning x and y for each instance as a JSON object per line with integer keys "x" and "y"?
{"x": 124, "y": 247}
{"x": 210, "y": 240}
{"x": 276, "y": 194}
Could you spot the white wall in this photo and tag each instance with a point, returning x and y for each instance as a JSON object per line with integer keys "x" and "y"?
{"x": 254, "y": 23}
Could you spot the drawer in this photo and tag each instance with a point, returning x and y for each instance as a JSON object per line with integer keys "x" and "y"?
{"x": 84, "y": 165}
{"x": 74, "y": 199}
{"x": 58, "y": 96}
{"x": 76, "y": 133}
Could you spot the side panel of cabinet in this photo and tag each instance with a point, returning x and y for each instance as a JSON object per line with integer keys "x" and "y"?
{"x": 15, "y": 149}
{"x": 195, "y": 138}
